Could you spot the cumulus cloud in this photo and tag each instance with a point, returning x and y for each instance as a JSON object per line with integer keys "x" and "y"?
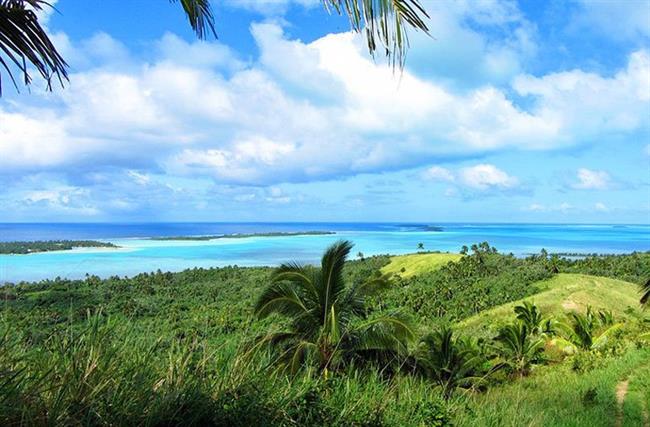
{"x": 223, "y": 126}
{"x": 480, "y": 177}
{"x": 535, "y": 207}
{"x": 485, "y": 176}
{"x": 437, "y": 173}
{"x": 263, "y": 123}
{"x": 592, "y": 180}
{"x": 618, "y": 20}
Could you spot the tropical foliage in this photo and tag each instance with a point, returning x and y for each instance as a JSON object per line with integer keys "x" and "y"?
{"x": 450, "y": 361}
{"x": 591, "y": 330}
{"x": 174, "y": 349}
{"x": 519, "y": 347}
{"x": 645, "y": 293}
{"x": 323, "y": 311}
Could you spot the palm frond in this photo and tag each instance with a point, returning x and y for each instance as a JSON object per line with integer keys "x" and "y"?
{"x": 280, "y": 298}
{"x": 200, "y": 16}
{"x": 385, "y": 332}
{"x": 384, "y": 23}
{"x": 301, "y": 276}
{"x": 331, "y": 281}
{"x": 645, "y": 293}
{"x": 24, "y": 41}
{"x": 451, "y": 361}
{"x": 607, "y": 335}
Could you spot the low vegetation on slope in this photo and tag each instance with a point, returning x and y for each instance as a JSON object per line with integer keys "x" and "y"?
{"x": 560, "y": 295}
{"x": 413, "y": 264}
{"x": 176, "y": 348}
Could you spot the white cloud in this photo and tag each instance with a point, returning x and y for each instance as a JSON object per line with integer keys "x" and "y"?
{"x": 139, "y": 178}
{"x": 485, "y": 176}
{"x": 617, "y": 19}
{"x": 565, "y": 207}
{"x": 587, "y": 106}
{"x": 325, "y": 110}
{"x": 437, "y": 173}
{"x": 61, "y": 198}
{"x": 592, "y": 180}
{"x": 535, "y": 207}
{"x": 601, "y": 207}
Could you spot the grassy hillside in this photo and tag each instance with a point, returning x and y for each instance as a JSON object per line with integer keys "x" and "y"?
{"x": 412, "y": 264}
{"x": 173, "y": 349}
{"x": 559, "y": 295}
{"x": 557, "y": 395}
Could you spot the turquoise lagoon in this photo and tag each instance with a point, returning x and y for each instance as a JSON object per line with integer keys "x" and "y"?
{"x": 138, "y": 254}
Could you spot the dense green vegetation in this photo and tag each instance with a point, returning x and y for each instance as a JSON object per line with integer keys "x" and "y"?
{"x": 244, "y": 235}
{"x": 184, "y": 348}
{"x": 50, "y": 245}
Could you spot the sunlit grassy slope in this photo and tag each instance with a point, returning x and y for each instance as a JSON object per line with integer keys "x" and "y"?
{"x": 558, "y": 396}
{"x": 418, "y": 263}
{"x": 561, "y": 294}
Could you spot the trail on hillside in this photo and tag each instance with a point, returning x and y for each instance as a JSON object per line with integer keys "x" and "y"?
{"x": 621, "y": 392}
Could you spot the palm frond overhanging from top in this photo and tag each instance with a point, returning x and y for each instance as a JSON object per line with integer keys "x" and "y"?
{"x": 24, "y": 42}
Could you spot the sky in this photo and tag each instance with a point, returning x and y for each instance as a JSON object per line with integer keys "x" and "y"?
{"x": 507, "y": 112}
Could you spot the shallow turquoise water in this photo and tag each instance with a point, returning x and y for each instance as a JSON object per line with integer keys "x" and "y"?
{"x": 138, "y": 254}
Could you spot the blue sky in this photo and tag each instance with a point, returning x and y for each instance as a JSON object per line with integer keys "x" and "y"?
{"x": 511, "y": 112}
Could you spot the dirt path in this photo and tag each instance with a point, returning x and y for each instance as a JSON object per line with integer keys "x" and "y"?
{"x": 621, "y": 392}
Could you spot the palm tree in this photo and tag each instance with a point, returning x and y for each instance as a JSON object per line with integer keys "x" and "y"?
{"x": 420, "y": 246}
{"x": 329, "y": 319}
{"x": 586, "y": 330}
{"x": 452, "y": 362}
{"x": 528, "y": 314}
{"x": 24, "y": 42}
{"x": 645, "y": 293}
{"x": 519, "y": 349}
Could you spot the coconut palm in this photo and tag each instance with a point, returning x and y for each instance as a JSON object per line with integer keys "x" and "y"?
{"x": 589, "y": 331}
{"x": 645, "y": 293}
{"x": 528, "y": 314}
{"x": 450, "y": 361}
{"x": 420, "y": 246}
{"x": 24, "y": 42}
{"x": 519, "y": 348}
{"x": 329, "y": 320}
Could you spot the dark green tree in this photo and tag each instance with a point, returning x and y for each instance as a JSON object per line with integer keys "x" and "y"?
{"x": 450, "y": 361}
{"x": 518, "y": 348}
{"x": 329, "y": 319}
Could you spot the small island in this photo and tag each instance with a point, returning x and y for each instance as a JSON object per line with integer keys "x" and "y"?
{"x": 244, "y": 235}
{"x": 24, "y": 248}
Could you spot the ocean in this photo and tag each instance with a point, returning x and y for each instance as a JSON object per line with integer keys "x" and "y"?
{"x": 137, "y": 253}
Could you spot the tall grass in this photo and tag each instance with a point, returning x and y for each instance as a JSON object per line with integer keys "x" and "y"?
{"x": 105, "y": 374}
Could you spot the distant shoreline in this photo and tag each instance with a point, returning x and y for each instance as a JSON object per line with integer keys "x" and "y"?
{"x": 40, "y": 246}
{"x": 245, "y": 235}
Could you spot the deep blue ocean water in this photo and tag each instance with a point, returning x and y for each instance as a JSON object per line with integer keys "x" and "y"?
{"x": 138, "y": 254}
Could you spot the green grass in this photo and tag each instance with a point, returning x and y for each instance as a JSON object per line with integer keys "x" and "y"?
{"x": 169, "y": 349}
{"x": 559, "y": 295}
{"x": 556, "y": 395}
{"x": 414, "y": 264}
